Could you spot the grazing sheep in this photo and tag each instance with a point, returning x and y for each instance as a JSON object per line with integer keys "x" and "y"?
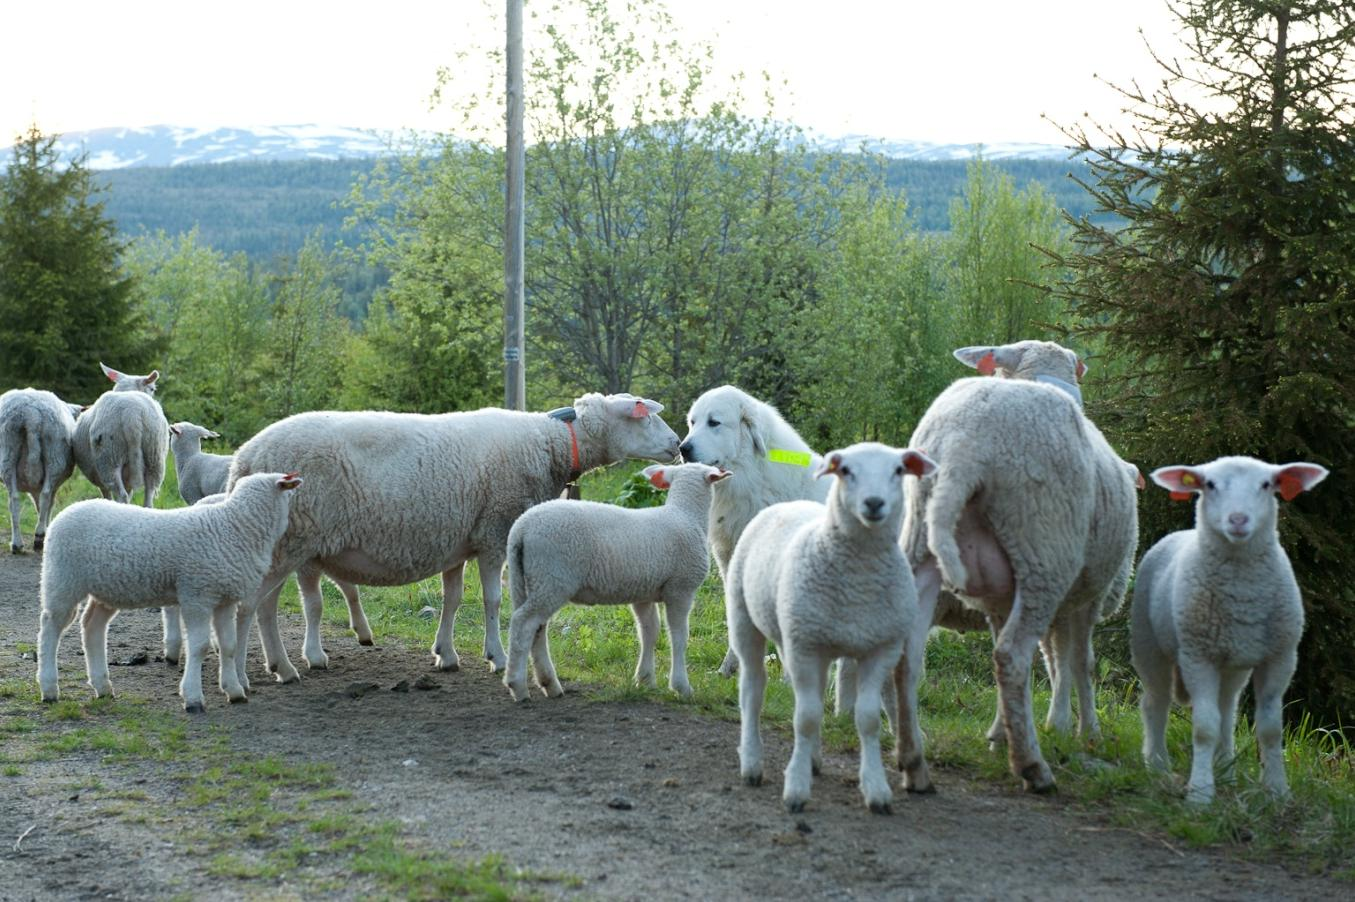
{"x": 124, "y": 382}
{"x": 1009, "y": 522}
{"x": 207, "y": 559}
{"x": 393, "y": 498}
{"x": 199, "y": 474}
{"x": 1215, "y": 605}
{"x": 823, "y": 582}
{"x": 36, "y": 429}
{"x": 588, "y": 553}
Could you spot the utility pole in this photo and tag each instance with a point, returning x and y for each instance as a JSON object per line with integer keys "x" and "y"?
{"x": 514, "y": 373}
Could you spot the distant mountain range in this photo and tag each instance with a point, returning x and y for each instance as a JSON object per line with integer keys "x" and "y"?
{"x": 168, "y": 145}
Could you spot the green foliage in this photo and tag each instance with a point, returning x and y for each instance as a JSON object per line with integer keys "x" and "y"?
{"x": 637, "y": 491}
{"x": 1227, "y": 297}
{"x": 64, "y": 304}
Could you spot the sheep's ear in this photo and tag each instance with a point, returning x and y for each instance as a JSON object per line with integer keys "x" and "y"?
{"x": 112, "y": 374}
{"x": 754, "y": 433}
{"x": 918, "y": 463}
{"x": 289, "y": 482}
{"x": 150, "y": 380}
{"x": 1139, "y": 482}
{"x": 1292, "y": 480}
{"x": 1080, "y": 369}
{"x": 979, "y": 357}
{"x": 716, "y": 475}
{"x": 831, "y": 464}
{"x": 657, "y": 474}
{"x": 175, "y": 430}
{"x": 624, "y": 405}
{"x": 210, "y": 434}
{"x": 1182, "y": 482}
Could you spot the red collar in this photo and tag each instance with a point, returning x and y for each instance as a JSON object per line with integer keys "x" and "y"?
{"x": 574, "y": 471}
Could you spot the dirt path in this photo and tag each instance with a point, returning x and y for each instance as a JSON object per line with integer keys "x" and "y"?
{"x": 533, "y": 783}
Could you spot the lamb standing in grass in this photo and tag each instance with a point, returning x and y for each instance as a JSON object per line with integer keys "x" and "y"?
{"x": 206, "y": 559}
{"x": 1215, "y": 605}
{"x": 589, "y": 553}
{"x": 120, "y": 443}
{"x": 825, "y": 582}
{"x": 392, "y": 498}
{"x": 36, "y": 430}
{"x": 199, "y": 474}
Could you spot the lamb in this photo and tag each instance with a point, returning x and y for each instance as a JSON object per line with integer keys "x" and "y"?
{"x": 120, "y": 443}
{"x": 207, "y": 559}
{"x": 394, "y": 498}
{"x": 1215, "y": 605}
{"x": 1019, "y": 521}
{"x": 199, "y": 474}
{"x": 36, "y": 429}
{"x": 822, "y": 582}
{"x": 589, "y": 553}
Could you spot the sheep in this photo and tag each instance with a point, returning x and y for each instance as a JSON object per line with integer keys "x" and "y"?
{"x": 1010, "y": 522}
{"x": 120, "y": 445}
{"x": 823, "y": 582}
{"x": 124, "y": 382}
{"x": 1067, "y": 649}
{"x": 36, "y": 429}
{"x": 199, "y": 473}
{"x": 588, "y": 553}
{"x": 206, "y": 558}
{"x": 1215, "y": 605}
{"x": 394, "y": 498}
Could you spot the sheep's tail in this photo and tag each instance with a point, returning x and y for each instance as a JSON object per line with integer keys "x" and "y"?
{"x": 517, "y": 570}
{"x": 949, "y": 496}
{"x": 10, "y": 442}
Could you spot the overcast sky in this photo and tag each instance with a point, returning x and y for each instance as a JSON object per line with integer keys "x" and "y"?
{"x": 956, "y": 71}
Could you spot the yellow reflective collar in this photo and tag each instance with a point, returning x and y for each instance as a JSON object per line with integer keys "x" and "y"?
{"x": 794, "y": 458}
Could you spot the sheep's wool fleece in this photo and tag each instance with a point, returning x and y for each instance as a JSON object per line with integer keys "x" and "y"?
{"x": 36, "y": 428}
{"x": 124, "y": 429}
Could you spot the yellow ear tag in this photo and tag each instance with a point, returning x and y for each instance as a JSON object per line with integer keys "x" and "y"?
{"x": 1188, "y": 479}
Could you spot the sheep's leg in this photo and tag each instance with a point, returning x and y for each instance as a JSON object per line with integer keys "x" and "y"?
{"x": 808, "y": 674}
{"x": 647, "y": 627}
{"x": 150, "y": 486}
{"x": 1012, "y": 658}
{"x": 223, "y": 623}
{"x": 874, "y": 783}
{"x": 169, "y": 618}
{"x": 198, "y": 631}
{"x": 94, "y": 639}
{"x": 491, "y": 586}
{"x": 117, "y": 488}
{"x": 16, "y": 501}
{"x": 357, "y": 617}
{"x": 997, "y": 731}
{"x": 676, "y": 610}
{"x": 750, "y": 646}
{"x": 1084, "y": 669}
{"x": 444, "y": 645}
{"x": 44, "y": 501}
{"x": 844, "y": 686}
{"x": 908, "y": 733}
{"x": 1202, "y": 682}
{"x": 1155, "y": 678}
{"x": 1231, "y": 684}
{"x": 1057, "y": 649}
{"x": 546, "y": 677}
{"x": 525, "y": 632}
{"x": 313, "y": 604}
{"x": 1269, "y": 682}
{"x": 55, "y": 619}
{"x": 266, "y": 612}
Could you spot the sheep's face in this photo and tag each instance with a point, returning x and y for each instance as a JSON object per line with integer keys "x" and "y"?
{"x": 722, "y": 430}
{"x": 1236, "y": 495}
{"x": 869, "y": 483}
{"x": 633, "y": 427}
{"x": 191, "y": 431}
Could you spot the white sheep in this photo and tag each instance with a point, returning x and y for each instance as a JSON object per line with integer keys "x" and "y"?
{"x": 1216, "y": 605}
{"x": 588, "y": 553}
{"x": 206, "y": 558}
{"x": 121, "y": 441}
{"x": 1010, "y": 522}
{"x": 392, "y": 498}
{"x": 124, "y": 382}
{"x": 199, "y": 474}
{"x": 36, "y": 430}
{"x": 1067, "y": 648}
{"x": 823, "y": 582}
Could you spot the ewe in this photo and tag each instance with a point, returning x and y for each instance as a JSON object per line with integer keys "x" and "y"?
{"x": 36, "y": 431}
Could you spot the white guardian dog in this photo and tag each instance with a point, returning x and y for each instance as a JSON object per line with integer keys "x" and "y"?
{"x": 729, "y": 428}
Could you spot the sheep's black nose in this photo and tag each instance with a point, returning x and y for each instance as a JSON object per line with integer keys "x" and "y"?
{"x": 873, "y": 505}
{"x": 686, "y": 449}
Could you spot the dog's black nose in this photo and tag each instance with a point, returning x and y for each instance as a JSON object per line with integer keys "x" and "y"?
{"x": 686, "y": 449}
{"x": 873, "y": 505}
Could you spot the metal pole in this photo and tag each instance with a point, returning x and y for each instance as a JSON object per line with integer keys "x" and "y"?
{"x": 514, "y": 373}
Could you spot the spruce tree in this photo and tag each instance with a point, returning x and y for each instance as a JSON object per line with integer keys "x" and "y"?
{"x": 1226, "y": 295}
{"x": 64, "y": 303}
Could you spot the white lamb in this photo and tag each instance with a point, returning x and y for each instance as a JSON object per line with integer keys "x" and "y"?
{"x": 124, "y": 382}
{"x": 36, "y": 430}
{"x": 1015, "y": 522}
{"x": 199, "y": 474}
{"x": 824, "y": 582}
{"x": 393, "y": 498}
{"x": 1215, "y": 605}
{"x": 207, "y": 559}
{"x": 120, "y": 442}
{"x": 588, "y": 553}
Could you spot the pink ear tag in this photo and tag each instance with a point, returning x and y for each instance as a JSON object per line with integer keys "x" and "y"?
{"x": 1181, "y": 496}
{"x": 658, "y": 480}
{"x": 640, "y": 411}
{"x": 1290, "y": 486}
{"x": 987, "y": 364}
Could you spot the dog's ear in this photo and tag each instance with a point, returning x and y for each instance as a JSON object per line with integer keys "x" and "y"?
{"x": 748, "y": 421}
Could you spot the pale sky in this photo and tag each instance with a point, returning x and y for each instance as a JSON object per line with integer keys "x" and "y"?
{"x": 942, "y": 70}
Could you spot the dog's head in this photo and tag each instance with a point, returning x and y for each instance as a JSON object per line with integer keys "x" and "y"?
{"x": 724, "y": 429}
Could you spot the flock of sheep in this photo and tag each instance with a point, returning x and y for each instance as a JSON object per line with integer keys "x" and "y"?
{"x": 1019, "y": 518}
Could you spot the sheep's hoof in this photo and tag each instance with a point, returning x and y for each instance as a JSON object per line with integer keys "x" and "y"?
{"x": 195, "y": 708}
{"x": 241, "y": 699}
{"x": 368, "y": 641}
{"x": 38, "y": 542}
{"x": 440, "y": 663}
{"x": 796, "y": 806}
{"x": 15, "y": 549}
{"x": 171, "y": 660}
{"x": 816, "y": 768}
{"x": 50, "y": 699}
{"x": 880, "y": 808}
{"x": 1038, "y": 779}
{"x": 928, "y": 790}
{"x": 322, "y": 664}
{"x": 752, "y": 780}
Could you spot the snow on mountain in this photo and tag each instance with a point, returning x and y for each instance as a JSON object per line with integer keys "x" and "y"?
{"x": 168, "y": 145}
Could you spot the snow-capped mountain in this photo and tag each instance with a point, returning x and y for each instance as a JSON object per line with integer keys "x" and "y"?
{"x": 168, "y": 145}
